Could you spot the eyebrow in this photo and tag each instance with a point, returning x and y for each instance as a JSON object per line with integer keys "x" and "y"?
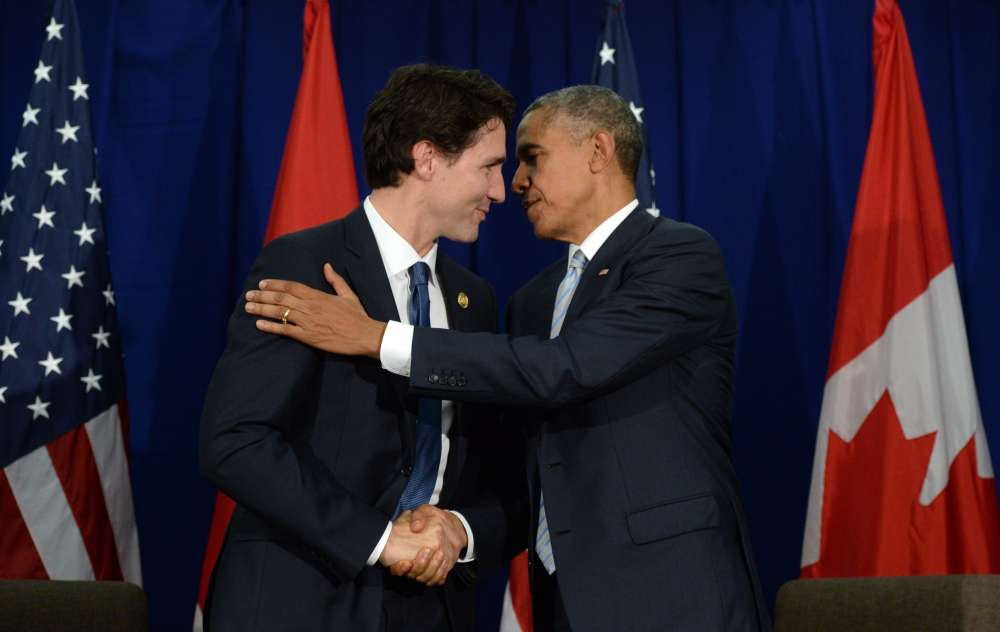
{"x": 526, "y": 147}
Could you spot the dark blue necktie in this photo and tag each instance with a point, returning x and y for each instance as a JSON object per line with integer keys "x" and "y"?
{"x": 428, "y": 435}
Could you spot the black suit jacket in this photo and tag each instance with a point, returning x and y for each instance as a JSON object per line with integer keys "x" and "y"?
{"x": 628, "y": 413}
{"x": 316, "y": 449}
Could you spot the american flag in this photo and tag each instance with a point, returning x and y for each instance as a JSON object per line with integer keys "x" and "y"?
{"x": 65, "y": 495}
{"x": 614, "y": 68}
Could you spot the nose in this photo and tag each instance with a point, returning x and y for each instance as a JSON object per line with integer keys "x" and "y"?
{"x": 519, "y": 184}
{"x": 496, "y": 192}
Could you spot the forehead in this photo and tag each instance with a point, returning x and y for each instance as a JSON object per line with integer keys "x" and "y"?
{"x": 491, "y": 138}
{"x": 541, "y": 128}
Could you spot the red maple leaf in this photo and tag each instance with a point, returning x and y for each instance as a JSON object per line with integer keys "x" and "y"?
{"x": 873, "y": 523}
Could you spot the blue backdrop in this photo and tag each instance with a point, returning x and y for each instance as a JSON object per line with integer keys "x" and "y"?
{"x": 758, "y": 113}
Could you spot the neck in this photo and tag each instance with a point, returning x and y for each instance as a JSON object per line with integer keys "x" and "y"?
{"x": 403, "y": 209}
{"x": 604, "y": 206}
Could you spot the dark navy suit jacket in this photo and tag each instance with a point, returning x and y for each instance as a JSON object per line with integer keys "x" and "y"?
{"x": 316, "y": 449}
{"x": 628, "y": 417}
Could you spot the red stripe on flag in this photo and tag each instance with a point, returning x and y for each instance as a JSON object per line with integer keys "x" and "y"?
{"x": 899, "y": 240}
{"x": 520, "y": 590}
{"x": 74, "y": 463}
{"x": 20, "y": 559}
{"x": 224, "y": 507}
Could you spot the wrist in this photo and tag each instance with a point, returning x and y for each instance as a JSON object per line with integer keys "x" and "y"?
{"x": 375, "y": 334}
{"x": 459, "y": 529}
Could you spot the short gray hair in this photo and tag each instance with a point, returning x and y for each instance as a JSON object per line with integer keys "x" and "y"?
{"x": 588, "y": 109}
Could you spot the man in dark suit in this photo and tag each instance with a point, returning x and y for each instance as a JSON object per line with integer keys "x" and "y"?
{"x": 618, "y": 366}
{"x": 328, "y": 458}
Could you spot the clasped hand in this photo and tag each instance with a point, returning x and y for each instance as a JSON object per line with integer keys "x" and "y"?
{"x": 424, "y": 545}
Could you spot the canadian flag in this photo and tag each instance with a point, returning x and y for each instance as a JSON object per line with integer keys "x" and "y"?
{"x": 902, "y": 482}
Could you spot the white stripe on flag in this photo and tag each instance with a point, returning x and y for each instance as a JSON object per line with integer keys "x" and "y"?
{"x": 47, "y": 514}
{"x": 508, "y": 617}
{"x": 107, "y": 442}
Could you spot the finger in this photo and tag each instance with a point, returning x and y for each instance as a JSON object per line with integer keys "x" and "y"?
{"x": 418, "y": 564}
{"x": 432, "y": 568}
{"x": 442, "y": 575}
{"x": 274, "y": 312}
{"x": 296, "y": 289}
{"x": 340, "y": 286}
{"x": 422, "y": 515}
{"x": 401, "y": 568}
{"x": 269, "y": 297}
{"x": 271, "y": 327}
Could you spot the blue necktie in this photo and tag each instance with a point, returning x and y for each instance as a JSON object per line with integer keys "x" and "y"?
{"x": 427, "y": 459}
{"x": 564, "y": 295}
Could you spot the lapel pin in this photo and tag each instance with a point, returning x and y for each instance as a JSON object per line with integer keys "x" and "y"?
{"x": 604, "y": 272}
{"x": 463, "y": 300}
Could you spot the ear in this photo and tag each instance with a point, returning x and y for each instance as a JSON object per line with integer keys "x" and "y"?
{"x": 424, "y": 153}
{"x": 603, "y": 155}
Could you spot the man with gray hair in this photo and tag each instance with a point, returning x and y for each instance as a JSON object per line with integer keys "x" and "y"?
{"x": 618, "y": 366}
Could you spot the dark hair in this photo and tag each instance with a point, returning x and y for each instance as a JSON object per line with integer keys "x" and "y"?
{"x": 445, "y": 106}
{"x": 587, "y": 109}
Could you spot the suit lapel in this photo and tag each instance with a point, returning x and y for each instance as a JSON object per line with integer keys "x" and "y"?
{"x": 609, "y": 255}
{"x": 540, "y": 300}
{"x": 365, "y": 273}
{"x": 460, "y": 318}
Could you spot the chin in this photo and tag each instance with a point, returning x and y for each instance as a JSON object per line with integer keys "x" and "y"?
{"x": 466, "y": 236}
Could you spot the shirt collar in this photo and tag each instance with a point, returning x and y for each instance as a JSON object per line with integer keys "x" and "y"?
{"x": 599, "y": 235}
{"x": 397, "y": 253}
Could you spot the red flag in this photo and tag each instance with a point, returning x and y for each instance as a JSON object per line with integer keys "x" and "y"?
{"x": 316, "y": 184}
{"x": 902, "y": 481}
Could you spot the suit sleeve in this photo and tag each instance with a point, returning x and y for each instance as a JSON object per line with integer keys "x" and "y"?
{"x": 674, "y": 296}
{"x": 253, "y": 428}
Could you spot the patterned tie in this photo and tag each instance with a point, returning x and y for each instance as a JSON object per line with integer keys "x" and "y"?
{"x": 420, "y": 487}
{"x": 564, "y": 295}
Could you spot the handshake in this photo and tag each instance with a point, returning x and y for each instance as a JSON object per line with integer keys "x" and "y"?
{"x": 424, "y": 544}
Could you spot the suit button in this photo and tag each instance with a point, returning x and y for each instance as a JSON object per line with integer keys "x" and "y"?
{"x": 433, "y": 378}
{"x": 452, "y": 380}
{"x": 407, "y": 470}
{"x": 462, "y": 381}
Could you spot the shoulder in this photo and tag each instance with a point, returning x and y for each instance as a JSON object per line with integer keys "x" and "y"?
{"x": 668, "y": 230}
{"x": 299, "y": 256}
{"x": 316, "y": 238}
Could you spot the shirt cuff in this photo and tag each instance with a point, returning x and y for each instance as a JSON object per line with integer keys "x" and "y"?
{"x": 470, "y": 550}
{"x": 377, "y": 553}
{"x": 397, "y": 347}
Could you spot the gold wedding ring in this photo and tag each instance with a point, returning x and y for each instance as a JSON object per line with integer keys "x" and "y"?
{"x": 284, "y": 317}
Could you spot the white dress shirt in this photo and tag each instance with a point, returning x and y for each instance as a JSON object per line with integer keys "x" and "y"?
{"x": 397, "y": 342}
{"x": 397, "y": 257}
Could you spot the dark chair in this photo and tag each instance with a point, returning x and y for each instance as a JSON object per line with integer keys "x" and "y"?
{"x": 944, "y": 602}
{"x": 57, "y": 606}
